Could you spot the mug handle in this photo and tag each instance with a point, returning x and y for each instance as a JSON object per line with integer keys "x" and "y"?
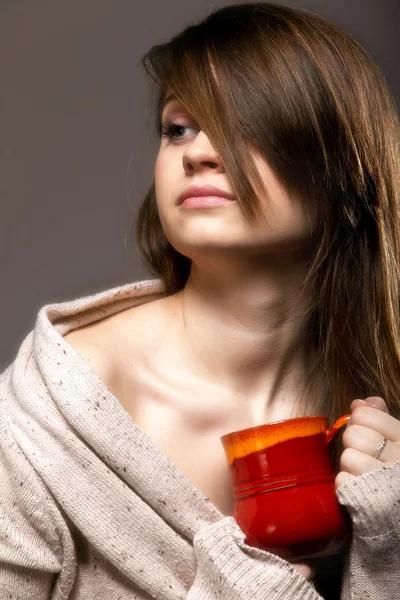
{"x": 336, "y": 427}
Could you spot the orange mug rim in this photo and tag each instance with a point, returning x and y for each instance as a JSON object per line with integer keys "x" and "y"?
{"x": 272, "y": 423}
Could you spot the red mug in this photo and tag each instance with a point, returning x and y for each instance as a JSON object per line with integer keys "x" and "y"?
{"x": 284, "y": 487}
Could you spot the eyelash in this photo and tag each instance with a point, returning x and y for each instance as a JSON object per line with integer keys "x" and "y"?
{"x": 167, "y": 129}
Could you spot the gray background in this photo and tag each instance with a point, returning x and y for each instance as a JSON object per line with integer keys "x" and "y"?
{"x": 77, "y": 145}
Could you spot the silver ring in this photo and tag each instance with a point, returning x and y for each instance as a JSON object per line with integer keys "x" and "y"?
{"x": 380, "y": 449}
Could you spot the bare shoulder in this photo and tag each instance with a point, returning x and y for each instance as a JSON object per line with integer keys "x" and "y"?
{"x": 107, "y": 345}
{"x": 90, "y": 343}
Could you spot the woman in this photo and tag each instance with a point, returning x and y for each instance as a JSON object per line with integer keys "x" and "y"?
{"x": 278, "y": 295}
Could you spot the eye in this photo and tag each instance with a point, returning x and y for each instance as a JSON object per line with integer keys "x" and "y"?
{"x": 174, "y": 131}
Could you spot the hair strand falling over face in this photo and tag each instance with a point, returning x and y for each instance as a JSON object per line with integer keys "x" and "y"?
{"x": 312, "y": 100}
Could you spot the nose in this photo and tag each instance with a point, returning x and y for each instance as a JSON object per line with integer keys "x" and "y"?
{"x": 200, "y": 155}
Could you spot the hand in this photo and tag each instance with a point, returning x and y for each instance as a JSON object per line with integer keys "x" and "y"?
{"x": 306, "y": 570}
{"x": 324, "y": 573}
{"x": 369, "y": 425}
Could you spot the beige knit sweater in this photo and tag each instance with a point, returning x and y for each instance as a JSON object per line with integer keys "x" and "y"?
{"x": 91, "y": 509}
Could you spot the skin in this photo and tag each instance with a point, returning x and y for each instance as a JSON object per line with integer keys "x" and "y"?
{"x": 241, "y": 317}
{"x": 242, "y": 314}
{"x": 369, "y": 424}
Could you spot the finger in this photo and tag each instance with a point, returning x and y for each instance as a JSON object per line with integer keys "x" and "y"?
{"x": 377, "y": 420}
{"x": 341, "y": 478}
{"x": 305, "y": 570}
{"x": 356, "y": 403}
{"x": 357, "y": 463}
{"x": 365, "y": 440}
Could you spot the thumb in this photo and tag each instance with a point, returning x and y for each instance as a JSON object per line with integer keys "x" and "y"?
{"x": 373, "y": 402}
{"x": 377, "y": 402}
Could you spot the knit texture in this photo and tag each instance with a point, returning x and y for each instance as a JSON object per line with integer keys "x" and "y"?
{"x": 91, "y": 508}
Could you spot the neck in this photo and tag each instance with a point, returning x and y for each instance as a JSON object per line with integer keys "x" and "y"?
{"x": 245, "y": 329}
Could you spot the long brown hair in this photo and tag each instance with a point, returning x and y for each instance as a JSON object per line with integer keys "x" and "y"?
{"x": 318, "y": 107}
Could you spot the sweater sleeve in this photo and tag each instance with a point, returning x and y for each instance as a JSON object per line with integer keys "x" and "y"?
{"x": 229, "y": 569}
{"x": 373, "y": 567}
{"x": 31, "y": 553}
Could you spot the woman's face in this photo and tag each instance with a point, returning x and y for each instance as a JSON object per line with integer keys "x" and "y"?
{"x": 186, "y": 157}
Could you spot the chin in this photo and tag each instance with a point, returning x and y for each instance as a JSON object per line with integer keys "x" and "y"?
{"x": 209, "y": 248}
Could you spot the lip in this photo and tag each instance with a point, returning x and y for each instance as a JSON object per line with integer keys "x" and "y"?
{"x": 210, "y": 191}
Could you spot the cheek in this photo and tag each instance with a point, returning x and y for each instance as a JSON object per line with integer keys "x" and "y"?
{"x": 163, "y": 175}
{"x": 163, "y": 186}
{"x": 158, "y": 170}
